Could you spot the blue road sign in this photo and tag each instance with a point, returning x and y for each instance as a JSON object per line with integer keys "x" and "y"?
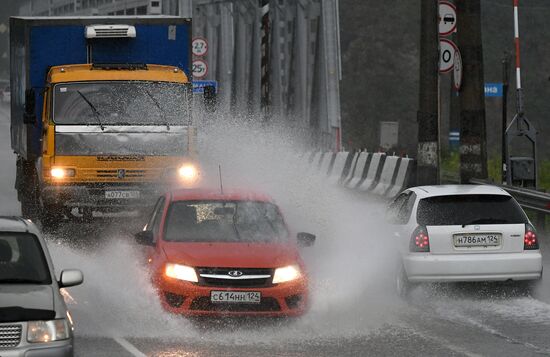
{"x": 198, "y": 86}
{"x": 454, "y": 139}
{"x": 493, "y": 89}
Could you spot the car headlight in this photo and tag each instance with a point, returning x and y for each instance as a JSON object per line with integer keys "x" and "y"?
{"x": 188, "y": 173}
{"x": 47, "y": 331}
{"x": 181, "y": 272}
{"x": 59, "y": 173}
{"x": 289, "y": 273}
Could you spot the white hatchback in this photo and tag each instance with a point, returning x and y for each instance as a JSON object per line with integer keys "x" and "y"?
{"x": 460, "y": 233}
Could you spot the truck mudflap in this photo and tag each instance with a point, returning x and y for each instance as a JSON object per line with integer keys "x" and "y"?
{"x": 103, "y": 197}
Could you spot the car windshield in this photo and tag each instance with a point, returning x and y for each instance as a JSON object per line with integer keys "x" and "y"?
{"x": 22, "y": 260}
{"x": 469, "y": 209}
{"x": 224, "y": 221}
{"x": 120, "y": 103}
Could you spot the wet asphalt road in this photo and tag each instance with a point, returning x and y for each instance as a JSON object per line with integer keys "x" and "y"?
{"x": 117, "y": 314}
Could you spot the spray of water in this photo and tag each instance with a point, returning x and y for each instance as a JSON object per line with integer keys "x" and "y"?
{"x": 350, "y": 266}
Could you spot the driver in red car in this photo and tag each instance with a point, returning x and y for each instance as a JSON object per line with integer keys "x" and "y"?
{"x": 225, "y": 254}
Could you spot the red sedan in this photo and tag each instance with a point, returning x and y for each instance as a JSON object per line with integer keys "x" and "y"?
{"x": 225, "y": 254}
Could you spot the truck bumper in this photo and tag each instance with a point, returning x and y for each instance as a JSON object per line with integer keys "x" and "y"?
{"x": 107, "y": 197}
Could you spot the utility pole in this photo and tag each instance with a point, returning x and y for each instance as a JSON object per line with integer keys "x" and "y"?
{"x": 505, "y": 86}
{"x": 265, "y": 99}
{"x": 473, "y": 144}
{"x": 427, "y": 116}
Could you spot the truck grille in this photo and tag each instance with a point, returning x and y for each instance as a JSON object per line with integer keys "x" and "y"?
{"x": 113, "y": 175}
{"x": 10, "y": 336}
{"x": 127, "y": 173}
{"x": 249, "y": 278}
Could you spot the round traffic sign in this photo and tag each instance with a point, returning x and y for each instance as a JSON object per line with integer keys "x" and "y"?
{"x": 200, "y": 46}
{"x": 447, "y": 18}
{"x": 447, "y": 50}
{"x": 457, "y": 71}
{"x": 200, "y": 69}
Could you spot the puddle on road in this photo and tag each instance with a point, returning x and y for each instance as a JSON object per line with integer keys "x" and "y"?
{"x": 351, "y": 265}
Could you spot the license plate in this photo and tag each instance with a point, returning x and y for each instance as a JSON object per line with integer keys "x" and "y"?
{"x": 121, "y": 194}
{"x": 236, "y": 296}
{"x": 477, "y": 240}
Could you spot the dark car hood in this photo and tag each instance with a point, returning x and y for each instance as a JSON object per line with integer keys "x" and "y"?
{"x": 241, "y": 255}
{"x": 26, "y": 302}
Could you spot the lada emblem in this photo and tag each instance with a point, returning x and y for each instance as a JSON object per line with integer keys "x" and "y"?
{"x": 235, "y": 273}
{"x": 121, "y": 173}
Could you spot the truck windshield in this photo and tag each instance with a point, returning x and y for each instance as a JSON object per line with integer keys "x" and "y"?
{"x": 120, "y": 103}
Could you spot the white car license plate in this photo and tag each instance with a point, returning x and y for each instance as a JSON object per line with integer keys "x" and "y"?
{"x": 477, "y": 240}
{"x": 236, "y": 296}
{"x": 121, "y": 194}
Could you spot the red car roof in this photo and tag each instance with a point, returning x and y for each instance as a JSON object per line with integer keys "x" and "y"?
{"x": 215, "y": 194}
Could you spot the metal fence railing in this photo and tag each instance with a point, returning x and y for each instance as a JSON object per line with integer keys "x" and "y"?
{"x": 536, "y": 201}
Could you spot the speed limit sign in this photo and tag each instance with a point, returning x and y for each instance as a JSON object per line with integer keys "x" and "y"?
{"x": 200, "y": 69}
{"x": 447, "y": 50}
{"x": 200, "y": 47}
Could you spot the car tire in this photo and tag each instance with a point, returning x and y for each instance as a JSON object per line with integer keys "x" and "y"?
{"x": 403, "y": 286}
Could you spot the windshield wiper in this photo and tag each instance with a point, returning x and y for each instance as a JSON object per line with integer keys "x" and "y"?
{"x": 157, "y": 104}
{"x": 485, "y": 220}
{"x": 20, "y": 281}
{"x": 94, "y": 109}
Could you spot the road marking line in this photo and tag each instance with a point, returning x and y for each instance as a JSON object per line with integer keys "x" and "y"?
{"x": 129, "y": 347}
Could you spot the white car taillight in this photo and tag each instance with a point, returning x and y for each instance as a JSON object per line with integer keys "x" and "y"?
{"x": 420, "y": 242}
{"x": 530, "y": 239}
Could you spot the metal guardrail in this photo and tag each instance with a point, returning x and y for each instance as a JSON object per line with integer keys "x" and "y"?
{"x": 531, "y": 199}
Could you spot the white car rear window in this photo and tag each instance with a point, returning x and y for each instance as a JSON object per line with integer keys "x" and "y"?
{"x": 469, "y": 209}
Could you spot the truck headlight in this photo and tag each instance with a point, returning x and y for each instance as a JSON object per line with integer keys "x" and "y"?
{"x": 59, "y": 173}
{"x": 181, "y": 272}
{"x": 47, "y": 331}
{"x": 288, "y": 273}
{"x": 189, "y": 173}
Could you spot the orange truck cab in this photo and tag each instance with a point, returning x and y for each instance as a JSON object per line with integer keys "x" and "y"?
{"x": 101, "y": 114}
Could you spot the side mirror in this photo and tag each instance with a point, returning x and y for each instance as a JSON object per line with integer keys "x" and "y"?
{"x": 145, "y": 238}
{"x": 29, "y": 117}
{"x": 305, "y": 239}
{"x": 70, "y": 278}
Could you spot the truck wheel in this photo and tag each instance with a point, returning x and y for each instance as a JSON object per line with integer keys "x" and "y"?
{"x": 50, "y": 217}
{"x": 26, "y": 185}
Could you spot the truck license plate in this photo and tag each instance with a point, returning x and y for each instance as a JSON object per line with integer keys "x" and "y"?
{"x": 236, "y": 296}
{"x": 477, "y": 240}
{"x": 121, "y": 194}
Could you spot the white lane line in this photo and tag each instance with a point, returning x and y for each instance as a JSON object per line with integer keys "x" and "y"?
{"x": 129, "y": 347}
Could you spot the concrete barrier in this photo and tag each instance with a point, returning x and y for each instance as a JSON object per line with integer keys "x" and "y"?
{"x": 325, "y": 164}
{"x": 315, "y": 160}
{"x": 387, "y": 177}
{"x": 359, "y": 171}
{"x": 351, "y": 161}
{"x": 337, "y": 169}
{"x": 378, "y": 174}
{"x": 374, "y": 172}
{"x": 403, "y": 178}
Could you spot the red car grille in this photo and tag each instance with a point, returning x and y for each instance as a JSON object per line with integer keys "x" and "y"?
{"x": 204, "y": 304}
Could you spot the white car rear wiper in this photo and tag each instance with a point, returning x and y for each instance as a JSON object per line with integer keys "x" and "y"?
{"x": 94, "y": 109}
{"x": 485, "y": 220}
